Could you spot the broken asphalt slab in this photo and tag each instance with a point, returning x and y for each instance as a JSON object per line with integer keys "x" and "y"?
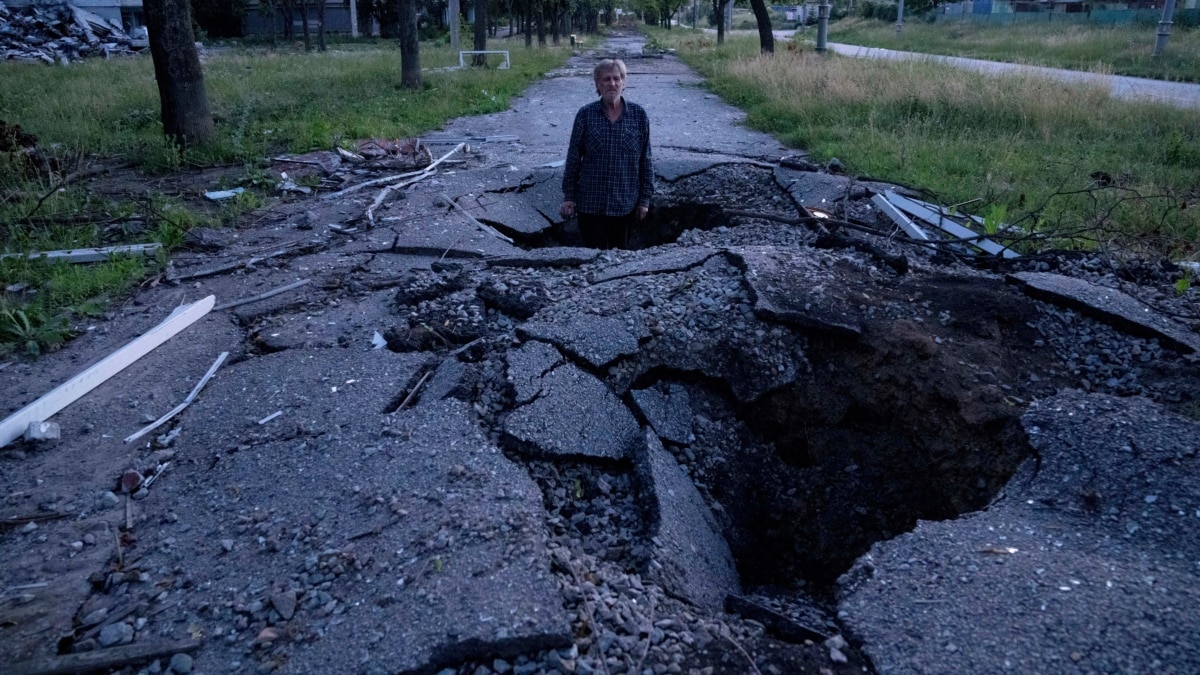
{"x": 690, "y": 558}
{"x": 1086, "y": 563}
{"x": 1109, "y": 305}
{"x": 434, "y": 537}
{"x": 573, "y": 415}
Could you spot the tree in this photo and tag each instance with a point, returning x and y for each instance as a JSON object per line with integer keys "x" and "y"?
{"x": 766, "y": 39}
{"x": 719, "y": 15}
{"x": 186, "y": 118}
{"x": 410, "y": 46}
{"x": 480, "y": 31}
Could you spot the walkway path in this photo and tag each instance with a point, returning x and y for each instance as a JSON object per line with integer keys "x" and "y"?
{"x": 1133, "y": 88}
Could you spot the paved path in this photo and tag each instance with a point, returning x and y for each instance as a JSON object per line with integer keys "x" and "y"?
{"x": 1134, "y": 88}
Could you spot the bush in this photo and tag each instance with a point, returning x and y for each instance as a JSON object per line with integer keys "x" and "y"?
{"x": 880, "y": 11}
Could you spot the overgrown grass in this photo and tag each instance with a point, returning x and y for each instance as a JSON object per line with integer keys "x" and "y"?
{"x": 1067, "y": 163}
{"x": 1113, "y": 49}
{"x": 264, "y": 102}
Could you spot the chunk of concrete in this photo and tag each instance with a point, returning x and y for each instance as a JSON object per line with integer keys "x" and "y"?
{"x": 512, "y": 211}
{"x": 527, "y": 365}
{"x": 598, "y": 340}
{"x": 39, "y": 432}
{"x": 1109, "y": 305}
{"x": 668, "y": 409}
{"x": 449, "y": 379}
{"x": 672, "y": 170}
{"x": 690, "y": 558}
{"x": 817, "y": 190}
{"x": 809, "y": 291}
{"x": 575, "y": 415}
{"x": 1088, "y": 543}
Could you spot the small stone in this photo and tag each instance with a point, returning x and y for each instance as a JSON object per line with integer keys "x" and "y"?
{"x": 89, "y": 539}
{"x": 227, "y": 545}
{"x": 837, "y": 656}
{"x": 285, "y": 604}
{"x": 29, "y": 527}
{"x": 43, "y": 431}
{"x": 115, "y": 634}
{"x": 95, "y": 617}
{"x": 109, "y": 499}
{"x": 266, "y": 635}
{"x": 181, "y": 663}
{"x": 131, "y": 480}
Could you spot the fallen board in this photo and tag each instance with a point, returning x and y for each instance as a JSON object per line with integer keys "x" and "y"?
{"x": 70, "y": 391}
{"x": 87, "y": 255}
{"x": 949, "y": 226}
{"x": 910, "y": 228}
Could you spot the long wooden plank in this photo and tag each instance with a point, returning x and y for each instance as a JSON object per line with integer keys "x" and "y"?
{"x": 949, "y": 226}
{"x": 910, "y": 228}
{"x": 87, "y": 255}
{"x": 68, "y": 392}
{"x": 101, "y": 659}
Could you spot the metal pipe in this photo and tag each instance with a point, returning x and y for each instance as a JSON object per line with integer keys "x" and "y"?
{"x": 1164, "y": 28}
{"x": 899, "y": 15}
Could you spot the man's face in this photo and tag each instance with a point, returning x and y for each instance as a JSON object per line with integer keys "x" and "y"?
{"x": 610, "y": 84}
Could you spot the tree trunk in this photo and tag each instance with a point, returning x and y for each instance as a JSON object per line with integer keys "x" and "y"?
{"x": 320, "y": 25}
{"x": 719, "y": 14}
{"x": 480, "y": 31}
{"x": 556, "y": 11}
{"x": 766, "y": 39}
{"x": 527, "y": 22}
{"x": 410, "y": 46}
{"x": 289, "y": 17}
{"x": 304, "y": 20}
{"x": 455, "y": 40}
{"x": 540, "y": 20}
{"x": 186, "y": 118}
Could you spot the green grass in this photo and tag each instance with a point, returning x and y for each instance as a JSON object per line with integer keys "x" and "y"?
{"x": 1024, "y": 145}
{"x": 1118, "y": 49}
{"x": 264, "y": 102}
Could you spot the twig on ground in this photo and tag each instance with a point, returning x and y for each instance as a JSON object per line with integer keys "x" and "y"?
{"x": 390, "y": 179}
{"x": 413, "y": 393}
{"x": 263, "y": 296}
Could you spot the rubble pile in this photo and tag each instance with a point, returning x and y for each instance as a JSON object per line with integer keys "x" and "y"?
{"x": 61, "y": 34}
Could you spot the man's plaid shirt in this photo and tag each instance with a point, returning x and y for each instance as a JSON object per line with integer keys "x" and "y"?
{"x": 609, "y": 170}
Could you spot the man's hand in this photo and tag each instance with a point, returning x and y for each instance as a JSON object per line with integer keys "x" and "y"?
{"x": 567, "y": 209}
{"x": 642, "y": 211}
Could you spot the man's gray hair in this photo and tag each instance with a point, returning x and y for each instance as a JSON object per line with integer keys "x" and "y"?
{"x": 607, "y": 65}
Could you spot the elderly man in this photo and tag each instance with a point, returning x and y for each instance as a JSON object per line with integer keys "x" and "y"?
{"x": 609, "y": 174}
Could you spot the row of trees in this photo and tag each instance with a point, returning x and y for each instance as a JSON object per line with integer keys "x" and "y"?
{"x": 187, "y": 119}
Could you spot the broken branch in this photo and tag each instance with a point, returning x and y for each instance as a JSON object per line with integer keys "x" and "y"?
{"x": 263, "y": 296}
{"x": 390, "y": 179}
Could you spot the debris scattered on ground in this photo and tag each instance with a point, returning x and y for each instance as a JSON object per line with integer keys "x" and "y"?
{"x": 186, "y": 402}
{"x": 61, "y": 33}
{"x": 222, "y": 195}
{"x": 70, "y": 391}
{"x": 88, "y": 255}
